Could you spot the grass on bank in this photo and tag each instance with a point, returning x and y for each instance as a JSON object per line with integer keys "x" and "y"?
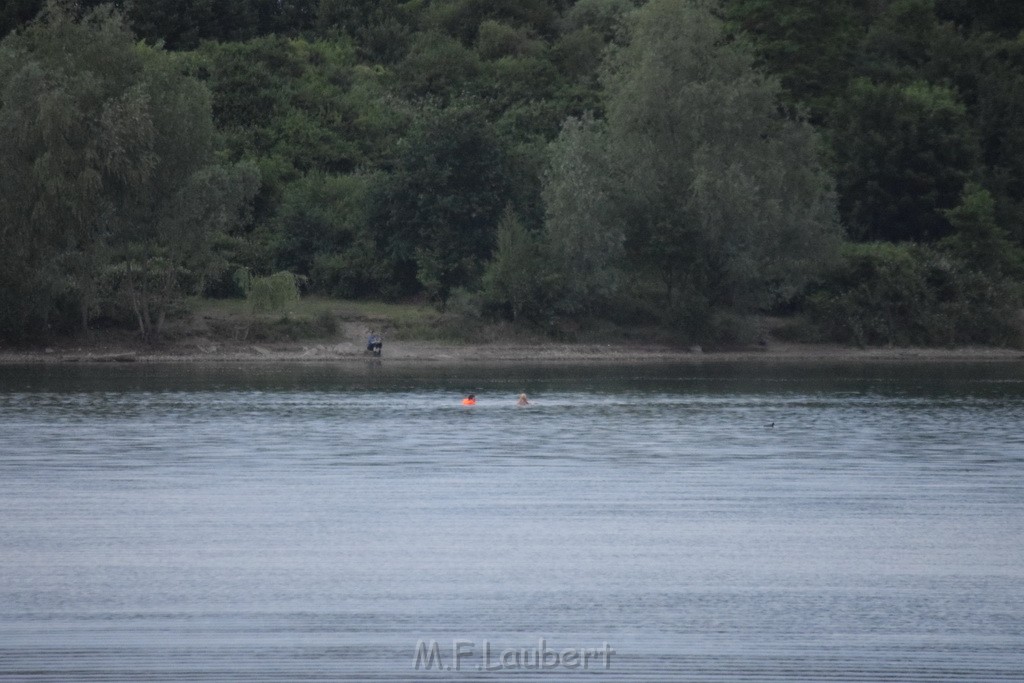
{"x": 331, "y": 320}
{"x": 324, "y": 319}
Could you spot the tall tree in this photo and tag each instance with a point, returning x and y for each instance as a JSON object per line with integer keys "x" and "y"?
{"x": 73, "y": 135}
{"x": 109, "y": 148}
{"x": 584, "y": 232}
{"x": 903, "y": 154}
{"x": 435, "y": 216}
{"x": 166, "y": 224}
{"x": 514, "y": 280}
{"x": 808, "y": 44}
{"x": 719, "y": 195}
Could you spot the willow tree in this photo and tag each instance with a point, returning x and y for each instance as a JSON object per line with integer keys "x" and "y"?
{"x": 165, "y": 226}
{"x": 70, "y": 136}
{"x": 719, "y": 193}
{"x": 106, "y": 169}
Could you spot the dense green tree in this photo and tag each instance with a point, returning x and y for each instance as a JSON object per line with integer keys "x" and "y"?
{"x": 389, "y": 136}
{"x": 436, "y": 214}
{"x": 578, "y": 54}
{"x": 511, "y": 81}
{"x": 999, "y": 16}
{"x": 297, "y": 107}
{"x": 900, "y": 43}
{"x": 283, "y": 97}
{"x": 604, "y": 17}
{"x": 914, "y": 294}
{"x": 319, "y": 214}
{"x": 998, "y": 112}
{"x": 515, "y": 281}
{"x": 164, "y": 243}
{"x": 437, "y": 66}
{"x": 15, "y": 13}
{"x": 184, "y": 24}
{"x": 583, "y": 233}
{"x": 381, "y": 30}
{"x": 977, "y": 237}
{"x": 74, "y": 134}
{"x": 110, "y": 148}
{"x": 903, "y": 154}
{"x": 322, "y": 232}
{"x": 181, "y": 24}
{"x": 720, "y": 196}
{"x": 880, "y": 294}
{"x": 809, "y": 44}
{"x": 496, "y": 40}
{"x": 461, "y": 19}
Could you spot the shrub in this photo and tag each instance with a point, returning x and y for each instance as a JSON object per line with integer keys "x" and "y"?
{"x": 903, "y": 294}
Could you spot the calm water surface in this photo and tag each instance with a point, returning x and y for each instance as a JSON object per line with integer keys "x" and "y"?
{"x": 319, "y": 522}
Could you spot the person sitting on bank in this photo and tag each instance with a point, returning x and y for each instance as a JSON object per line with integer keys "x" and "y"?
{"x": 374, "y": 343}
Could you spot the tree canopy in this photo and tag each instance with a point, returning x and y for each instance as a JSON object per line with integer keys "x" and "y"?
{"x": 718, "y": 194}
{"x": 655, "y": 162}
{"x": 111, "y": 150}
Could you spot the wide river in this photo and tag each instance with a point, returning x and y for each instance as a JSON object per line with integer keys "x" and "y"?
{"x": 355, "y": 522}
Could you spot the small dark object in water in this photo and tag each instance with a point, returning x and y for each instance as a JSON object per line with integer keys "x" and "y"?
{"x": 770, "y": 425}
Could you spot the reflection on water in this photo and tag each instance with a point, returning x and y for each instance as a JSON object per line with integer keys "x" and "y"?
{"x": 318, "y": 522}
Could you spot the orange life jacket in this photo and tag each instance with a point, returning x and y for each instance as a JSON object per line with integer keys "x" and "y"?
{"x": 469, "y": 401}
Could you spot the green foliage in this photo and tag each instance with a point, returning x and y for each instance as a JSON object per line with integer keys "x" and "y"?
{"x": 879, "y": 295}
{"x": 14, "y": 13}
{"x": 184, "y": 24}
{"x": 495, "y": 40}
{"x": 715, "y": 192}
{"x": 380, "y": 29}
{"x": 578, "y": 53}
{"x": 900, "y": 42}
{"x": 110, "y": 148}
{"x": 461, "y": 19}
{"x": 434, "y": 216}
{"x": 993, "y": 77}
{"x": 320, "y": 214}
{"x": 1005, "y": 18}
{"x": 903, "y": 155}
{"x": 602, "y": 16}
{"x": 271, "y": 294}
{"x": 911, "y": 294}
{"x": 324, "y": 233}
{"x": 978, "y": 239}
{"x": 437, "y": 66}
{"x": 75, "y": 134}
{"x": 656, "y": 157}
{"x": 514, "y": 282}
{"x": 287, "y": 99}
{"x": 582, "y": 236}
{"x": 515, "y": 80}
{"x": 810, "y": 44}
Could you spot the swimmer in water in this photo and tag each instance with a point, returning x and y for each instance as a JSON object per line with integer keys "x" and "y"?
{"x": 469, "y": 400}
{"x": 522, "y": 400}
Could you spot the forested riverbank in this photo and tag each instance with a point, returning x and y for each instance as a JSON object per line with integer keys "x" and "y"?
{"x": 546, "y": 168}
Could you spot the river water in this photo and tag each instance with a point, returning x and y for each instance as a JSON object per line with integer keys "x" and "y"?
{"x": 318, "y": 522}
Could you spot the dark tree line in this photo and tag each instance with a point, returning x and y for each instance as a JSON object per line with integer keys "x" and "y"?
{"x": 669, "y": 163}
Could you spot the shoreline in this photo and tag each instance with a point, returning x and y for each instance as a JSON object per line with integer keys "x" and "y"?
{"x": 440, "y": 354}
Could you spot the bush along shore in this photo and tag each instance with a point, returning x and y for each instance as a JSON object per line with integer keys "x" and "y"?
{"x": 323, "y": 330}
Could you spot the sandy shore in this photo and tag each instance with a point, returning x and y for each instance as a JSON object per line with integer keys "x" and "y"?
{"x": 424, "y": 352}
